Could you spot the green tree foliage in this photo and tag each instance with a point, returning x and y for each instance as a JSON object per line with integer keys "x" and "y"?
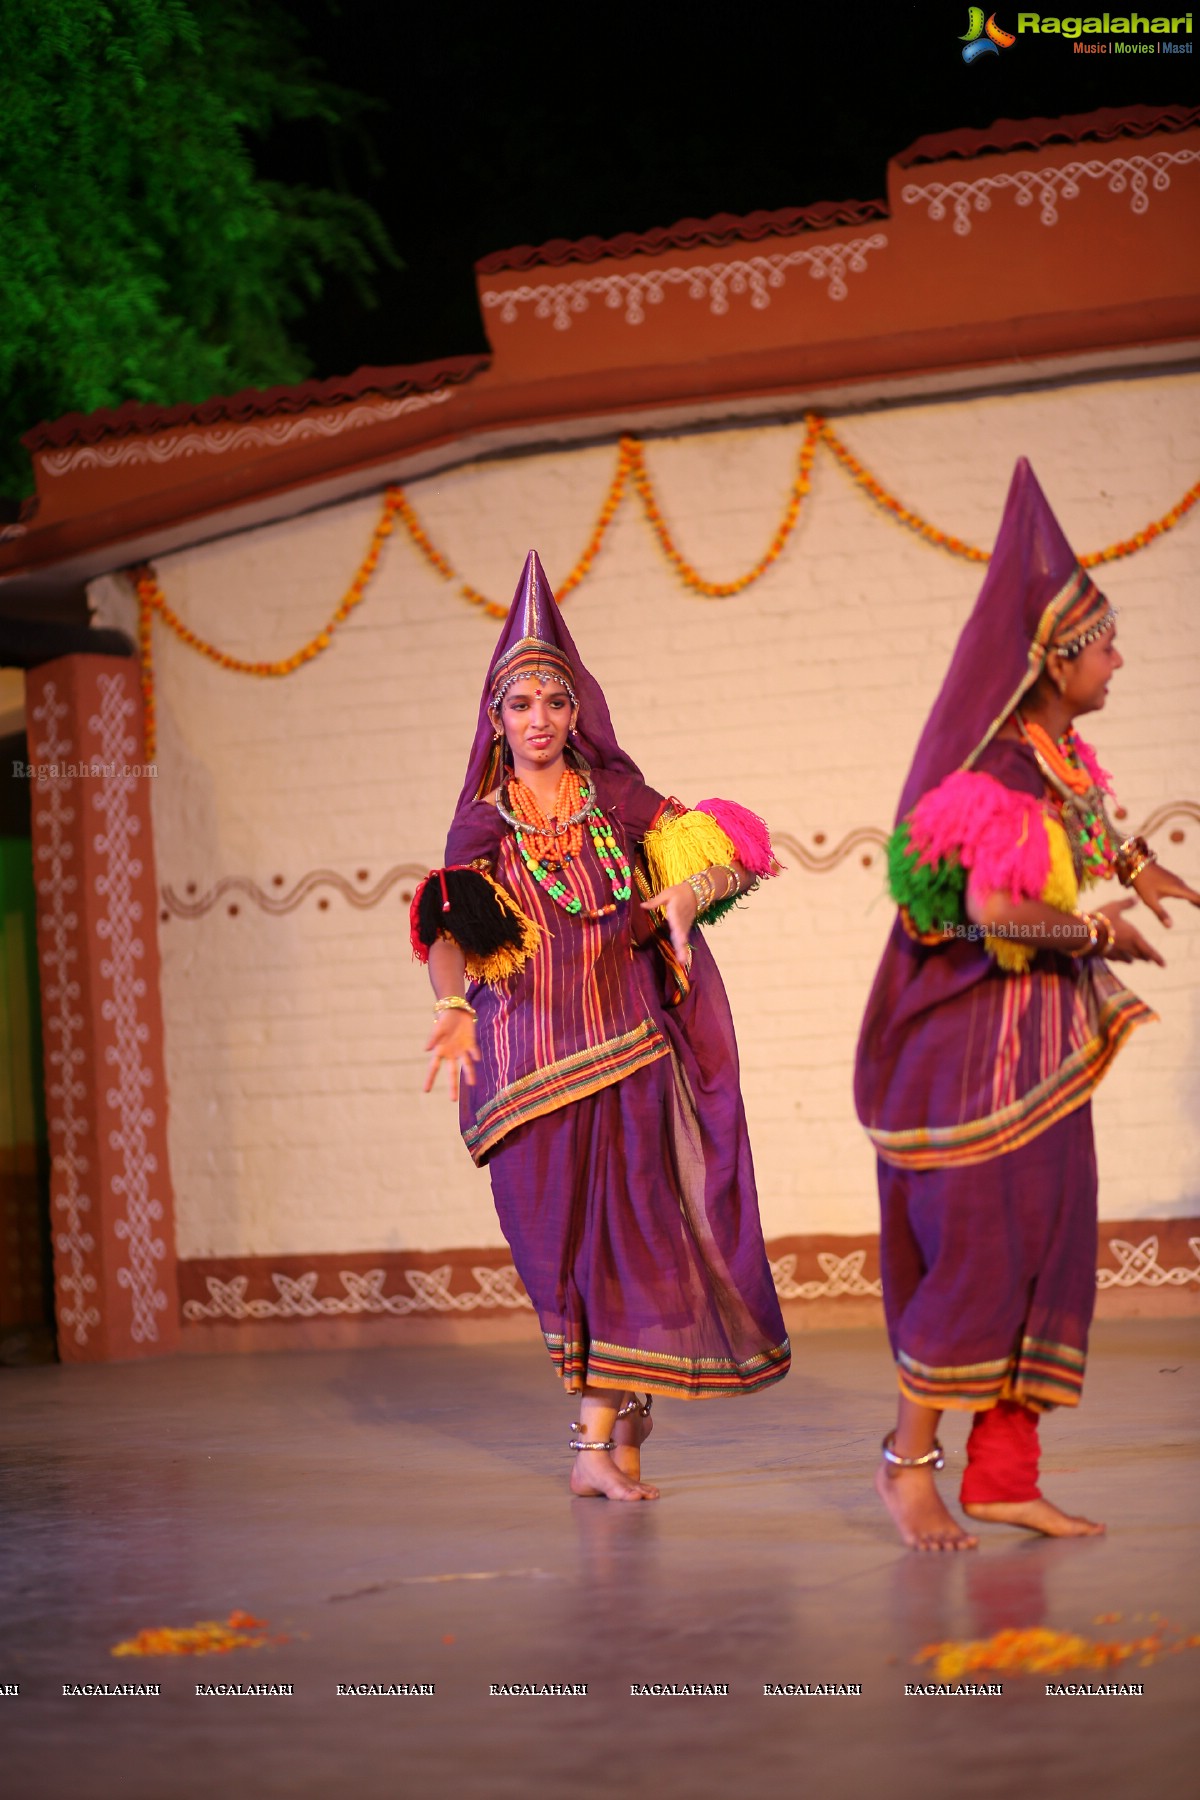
{"x": 141, "y": 255}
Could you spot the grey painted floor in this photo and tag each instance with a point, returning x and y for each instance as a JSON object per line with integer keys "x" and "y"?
{"x": 402, "y": 1514}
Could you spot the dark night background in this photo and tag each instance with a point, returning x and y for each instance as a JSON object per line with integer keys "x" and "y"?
{"x": 493, "y": 128}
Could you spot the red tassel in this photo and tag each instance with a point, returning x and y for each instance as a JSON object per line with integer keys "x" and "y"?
{"x": 441, "y": 875}
{"x": 420, "y": 950}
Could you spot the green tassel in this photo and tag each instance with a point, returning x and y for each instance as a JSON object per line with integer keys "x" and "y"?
{"x": 719, "y": 909}
{"x": 932, "y": 892}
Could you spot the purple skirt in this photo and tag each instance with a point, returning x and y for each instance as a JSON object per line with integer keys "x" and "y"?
{"x": 989, "y": 1272}
{"x": 638, "y": 1240}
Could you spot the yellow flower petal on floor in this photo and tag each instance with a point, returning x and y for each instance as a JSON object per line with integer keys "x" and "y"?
{"x": 208, "y": 1637}
{"x": 1041, "y": 1651}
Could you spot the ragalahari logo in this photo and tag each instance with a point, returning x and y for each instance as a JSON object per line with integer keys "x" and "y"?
{"x": 983, "y": 39}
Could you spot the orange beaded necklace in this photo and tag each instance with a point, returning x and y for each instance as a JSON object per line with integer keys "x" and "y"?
{"x": 1081, "y": 803}
{"x": 1068, "y": 769}
{"x": 558, "y": 841}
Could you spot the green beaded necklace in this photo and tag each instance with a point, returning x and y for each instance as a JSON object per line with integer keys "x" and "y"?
{"x": 612, "y": 860}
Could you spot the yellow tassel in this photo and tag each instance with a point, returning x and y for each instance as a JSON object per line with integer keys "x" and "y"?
{"x": 1010, "y": 953}
{"x": 497, "y": 968}
{"x": 683, "y": 846}
{"x": 1061, "y": 890}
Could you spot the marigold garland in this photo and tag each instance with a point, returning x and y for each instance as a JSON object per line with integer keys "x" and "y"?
{"x": 723, "y": 590}
{"x": 913, "y": 521}
{"x": 433, "y": 556}
{"x": 151, "y": 600}
{"x": 630, "y": 469}
{"x": 902, "y": 514}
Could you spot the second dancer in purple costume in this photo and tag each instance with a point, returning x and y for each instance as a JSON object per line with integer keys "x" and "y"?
{"x": 596, "y": 1048}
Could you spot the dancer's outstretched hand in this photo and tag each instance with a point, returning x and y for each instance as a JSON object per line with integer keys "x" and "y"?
{"x": 1128, "y": 944}
{"x": 454, "y": 1043}
{"x": 1156, "y": 884}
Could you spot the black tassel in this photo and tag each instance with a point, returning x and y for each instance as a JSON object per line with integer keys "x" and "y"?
{"x": 475, "y": 920}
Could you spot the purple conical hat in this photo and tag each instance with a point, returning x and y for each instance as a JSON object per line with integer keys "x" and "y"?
{"x": 1035, "y": 597}
{"x": 535, "y": 640}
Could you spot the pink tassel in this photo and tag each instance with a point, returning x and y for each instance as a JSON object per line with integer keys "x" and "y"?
{"x": 747, "y": 833}
{"x": 997, "y": 835}
{"x": 1087, "y": 756}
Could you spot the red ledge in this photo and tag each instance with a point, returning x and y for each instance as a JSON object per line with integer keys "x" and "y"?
{"x": 1031, "y": 134}
{"x": 250, "y": 403}
{"x": 686, "y": 234}
{"x": 548, "y": 402}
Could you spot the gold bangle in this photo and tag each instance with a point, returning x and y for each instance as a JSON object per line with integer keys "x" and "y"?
{"x": 1090, "y": 921}
{"x": 454, "y": 1003}
{"x": 1110, "y": 933}
{"x": 702, "y": 886}
{"x": 1133, "y": 856}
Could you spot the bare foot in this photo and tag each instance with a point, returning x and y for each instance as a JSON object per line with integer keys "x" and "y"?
{"x": 596, "y": 1476}
{"x": 911, "y": 1497}
{"x": 1034, "y": 1515}
{"x": 630, "y": 1434}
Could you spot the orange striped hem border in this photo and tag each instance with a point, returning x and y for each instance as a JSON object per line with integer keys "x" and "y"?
{"x": 959, "y": 1146}
{"x": 1039, "y": 1374}
{"x": 585, "y": 1072}
{"x": 656, "y": 1372}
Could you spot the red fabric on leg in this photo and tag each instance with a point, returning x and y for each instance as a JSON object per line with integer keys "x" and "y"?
{"x": 1002, "y": 1455}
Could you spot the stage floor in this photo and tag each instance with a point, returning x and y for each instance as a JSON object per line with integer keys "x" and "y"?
{"x": 401, "y": 1515}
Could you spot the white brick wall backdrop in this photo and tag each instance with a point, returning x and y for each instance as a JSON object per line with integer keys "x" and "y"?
{"x": 294, "y": 1043}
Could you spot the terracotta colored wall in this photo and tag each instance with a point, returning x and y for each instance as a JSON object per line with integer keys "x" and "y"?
{"x": 111, "y": 1206}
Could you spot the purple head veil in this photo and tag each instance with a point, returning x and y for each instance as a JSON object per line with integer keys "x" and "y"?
{"x": 1035, "y": 597}
{"x": 534, "y": 635}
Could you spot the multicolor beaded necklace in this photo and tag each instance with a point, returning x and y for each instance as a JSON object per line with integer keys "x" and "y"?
{"x": 546, "y": 846}
{"x": 1084, "y": 816}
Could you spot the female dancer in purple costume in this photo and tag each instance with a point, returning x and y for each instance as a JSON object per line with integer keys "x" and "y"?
{"x": 992, "y": 1018}
{"x": 592, "y": 1050}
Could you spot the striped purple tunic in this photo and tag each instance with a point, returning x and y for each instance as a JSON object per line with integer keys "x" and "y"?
{"x": 612, "y": 1125}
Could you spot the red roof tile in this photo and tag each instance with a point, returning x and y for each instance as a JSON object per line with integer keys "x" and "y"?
{"x": 1031, "y": 134}
{"x": 687, "y": 234}
{"x": 726, "y": 228}
{"x": 251, "y": 403}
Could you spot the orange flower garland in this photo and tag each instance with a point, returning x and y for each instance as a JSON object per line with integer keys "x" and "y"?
{"x": 722, "y": 590}
{"x": 902, "y": 514}
{"x": 1139, "y": 540}
{"x": 631, "y": 466}
{"x": 433, "y": 556}
{"x": 151, "y": 600}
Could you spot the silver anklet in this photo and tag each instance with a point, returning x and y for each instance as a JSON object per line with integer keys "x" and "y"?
{"x": 633, "y": 1405}
{"x": 590, "y": 1444}
{"x": 935, "y": 1458}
